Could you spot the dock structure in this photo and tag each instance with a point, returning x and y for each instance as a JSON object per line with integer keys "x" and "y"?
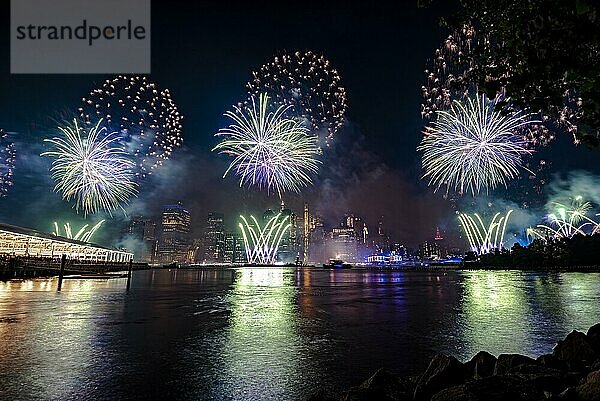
{"x": 19, "y": 242}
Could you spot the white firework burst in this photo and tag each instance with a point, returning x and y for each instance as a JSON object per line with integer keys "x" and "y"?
{"x": 472, "y": 147}
{"x": 91, "y": 169}
{"x": 271, "y": 151}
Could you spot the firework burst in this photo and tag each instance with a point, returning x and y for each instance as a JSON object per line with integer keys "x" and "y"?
{"x": 91, "y": 169}
{"x": 7, "y": 163}
{"x": 270, "y": 151}
{"x": 471, "y": 147}
{"x": 308, "y": 83}
{"x": 145, "y": 117}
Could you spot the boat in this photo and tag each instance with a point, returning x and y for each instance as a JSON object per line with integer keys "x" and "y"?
{"x": 337, "y": 264}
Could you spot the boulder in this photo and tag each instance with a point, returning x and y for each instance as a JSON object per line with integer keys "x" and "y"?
{"x": 481, "y": 365}
{"x": 321, "y": 395}
{"x": 506, "y": 362}
{"x": 456, "y": 393}
{"x": 574, "y": 348}
{"x": 589, "y": 388}
{"x": 503, "y": 388}
{"x": 593, "y": 337}
{"x": 551, "y": 361}
{"x": 365, "y": 394}
{"x": 542, "y": 378}
{"x": 389, "y": 385}
{"x": 443, "y": 371}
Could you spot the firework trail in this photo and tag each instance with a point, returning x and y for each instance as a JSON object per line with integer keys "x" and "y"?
{"x": 566, "y": 221}
{"x": 482, "y": 237}
{"x": 261, "y": 243}
{"x": 145, "y": 117}
{"x": 90, "y": 168}
{"x": 7, "y": 163}
{"x": 270, "y": 151}
{"x": 307, "y": 82}
{"x": 81, "y": 234}
{"x": 471, "y": 147}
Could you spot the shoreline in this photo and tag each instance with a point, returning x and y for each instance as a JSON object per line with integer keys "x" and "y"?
{"x": 44, "y": 272}
{"x": 570, "y": 373}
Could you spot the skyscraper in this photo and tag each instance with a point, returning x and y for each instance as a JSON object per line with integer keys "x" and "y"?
{"x": 214, "y": 238}
{"x": 234, "y": 251}
{"x": 175, "y": 230}
{"x": 306, "y": 233}
{"x": 143, "y": 232}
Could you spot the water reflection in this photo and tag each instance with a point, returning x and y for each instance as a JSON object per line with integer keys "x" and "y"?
{"x": 270, "y": 334}
{"x": 261, "y": 350}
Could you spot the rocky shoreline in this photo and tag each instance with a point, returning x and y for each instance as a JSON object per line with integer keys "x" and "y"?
{"x": 570, "y": 373}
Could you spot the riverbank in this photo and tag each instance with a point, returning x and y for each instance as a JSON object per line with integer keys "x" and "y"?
{"x": 570, "y": 373}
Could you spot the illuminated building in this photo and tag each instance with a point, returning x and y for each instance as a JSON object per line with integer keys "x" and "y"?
{"x": 143, "y": 230}
{"x": 234, "y": 248}
{"x": 23, "y": 242}
{"x": 214, "y": 238}
{"x": 151, "y": 239}
{"x": 175, "y": 230}
{"x": 429, "y": 250}
{"x": 306, "y": 232}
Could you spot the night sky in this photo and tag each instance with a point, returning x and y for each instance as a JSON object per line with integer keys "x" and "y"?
{"x": 205, "y": 54}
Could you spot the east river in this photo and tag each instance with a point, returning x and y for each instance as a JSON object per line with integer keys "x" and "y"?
{"x": 270, "y": 334}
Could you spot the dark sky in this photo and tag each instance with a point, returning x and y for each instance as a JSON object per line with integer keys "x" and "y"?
{"x": 204, "y": 52}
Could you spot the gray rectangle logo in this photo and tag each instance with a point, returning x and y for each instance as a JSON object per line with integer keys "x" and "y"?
{"x": 80, "y": 36}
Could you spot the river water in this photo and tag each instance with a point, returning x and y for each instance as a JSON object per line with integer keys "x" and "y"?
{"x": 270, "y": 334}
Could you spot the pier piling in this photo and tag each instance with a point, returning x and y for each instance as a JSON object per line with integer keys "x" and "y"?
{"x": 129, "y": 274}
{"x": 63, "y": 262}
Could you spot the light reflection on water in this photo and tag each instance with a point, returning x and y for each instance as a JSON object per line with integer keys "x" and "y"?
{"x": 235, "y": 334}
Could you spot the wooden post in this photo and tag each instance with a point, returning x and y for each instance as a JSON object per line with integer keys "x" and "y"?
{"x": 63, "y": 262}
{"x": 129, "y": 274}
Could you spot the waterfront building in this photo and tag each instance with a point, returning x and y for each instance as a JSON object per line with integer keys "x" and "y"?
{"x": 19, "y": 242}
{"x": 174, "y": 240}
{"x": 214, "y": 238}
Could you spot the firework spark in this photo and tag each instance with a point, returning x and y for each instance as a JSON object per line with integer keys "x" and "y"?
{"x": 308, "y": 83}
{"x": 472, "y": 147}
{"x": 484, "y": 238}
{"x": 270, "y": 151}
{"x": 90, "y": 168}
{"x": 7, "y": 163}
{"x": 566, "y": 221}
{"x": 261, "y": 244}
{"x": 145, "y": 117}
{"x": 81, "y": 234}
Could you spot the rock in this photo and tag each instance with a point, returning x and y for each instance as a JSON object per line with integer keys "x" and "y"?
{"x": 321, "y": 395}
{"x": 589, "y": 389}
{"x": 506, "y": 362}
{"x": 551, "y": 361}
{"x": 593, "y": 337}
{"x": 456, "y": 393}
{"x": 503, "y": 388}
{"x": 481, "y": 365}
{"x": 493, "y": 388}
{"x": 574, "y": 348}
{"x": 365, "y": 394}
{"x": 389, "y": 385}
{"x": 443, "y": 372}
{"x": 542, "y": 378}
